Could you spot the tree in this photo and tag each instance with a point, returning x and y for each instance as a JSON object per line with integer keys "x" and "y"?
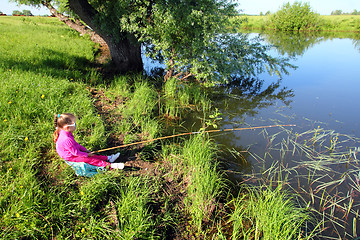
{"x": 189, "y": 36}
{"x": 337, "y": 12}
{"x": 355, "y": 12}
{"x": 16, "y": 13}
{"x": 295, "y": 17}
{"x": 27, "y": 13}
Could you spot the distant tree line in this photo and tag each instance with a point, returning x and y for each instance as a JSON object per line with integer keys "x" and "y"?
{"x": 23, "y": 13}
{"x": 340, "y": 12}
{"x": 267, "y": 13}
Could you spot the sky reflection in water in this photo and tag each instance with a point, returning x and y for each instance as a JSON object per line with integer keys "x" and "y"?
{"x": 325, "y": 87}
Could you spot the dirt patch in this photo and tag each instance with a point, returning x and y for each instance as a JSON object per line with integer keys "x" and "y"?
{"x": 106, "y": 109}
{"x": 103, "y": 55}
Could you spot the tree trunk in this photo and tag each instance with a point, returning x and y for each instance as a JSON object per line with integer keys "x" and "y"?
{"x": 170, "y": 72}
{"x": 126, "y": 56}
{"x": 125, "y": 52}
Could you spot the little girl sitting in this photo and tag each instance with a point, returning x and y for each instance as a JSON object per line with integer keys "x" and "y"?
{"x": 71, "y": 151}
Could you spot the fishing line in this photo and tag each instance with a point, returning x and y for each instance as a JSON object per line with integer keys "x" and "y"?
{"x": 190, "y": 133}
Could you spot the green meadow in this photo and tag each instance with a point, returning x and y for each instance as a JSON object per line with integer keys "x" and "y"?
{"x": 182, "y": 193}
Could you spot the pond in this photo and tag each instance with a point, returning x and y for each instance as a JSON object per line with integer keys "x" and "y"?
{"x": 322, "y": 91}
{"x": 318, "y": 156}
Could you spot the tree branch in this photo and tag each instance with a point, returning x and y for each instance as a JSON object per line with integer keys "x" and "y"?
{"x": 77, "y": 25}
{"x": 87, "y": 13}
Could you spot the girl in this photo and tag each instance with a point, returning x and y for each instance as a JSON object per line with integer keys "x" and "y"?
{"x": 69, "y": 150}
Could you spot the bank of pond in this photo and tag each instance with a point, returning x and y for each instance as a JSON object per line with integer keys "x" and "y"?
{"x": 174, "y": 189}
{"x": 182, "y": 192}
{"x": 337, "y": 23}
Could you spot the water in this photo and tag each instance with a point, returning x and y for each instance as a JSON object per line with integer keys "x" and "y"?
{"x": 322, "y": 93}
{"x": 321, "y": 97}
{"x": 326, "y": 85}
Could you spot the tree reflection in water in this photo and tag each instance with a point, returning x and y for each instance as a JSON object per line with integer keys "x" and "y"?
{"x": 242, "y": 98}
{"x": 295, "y": 44}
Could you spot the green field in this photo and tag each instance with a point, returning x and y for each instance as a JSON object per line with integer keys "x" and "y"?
{"x": 177, "y": 191}
{"x": 341, "y": 23}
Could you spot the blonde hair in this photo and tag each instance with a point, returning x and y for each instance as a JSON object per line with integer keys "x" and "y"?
{"x": 60, "y": 121}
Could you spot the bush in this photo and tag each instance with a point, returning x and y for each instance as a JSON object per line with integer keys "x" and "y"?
{"x": 295, "y": 17}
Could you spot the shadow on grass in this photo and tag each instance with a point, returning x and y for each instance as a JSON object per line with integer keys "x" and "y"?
{"x": 52, "y": 63}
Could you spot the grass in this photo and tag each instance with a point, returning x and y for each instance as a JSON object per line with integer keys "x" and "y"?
{"x": 51, "y": 72}
{"x": 268, "y": 214}
{"x": 38, "y": 54}
{"x": 141, "y": 104}
{"x": 36, "y": 84}
{"x": 205, "y": 182}
{"x": 342, "y": 23}
{"x": 177, "y": 96}
{"x": 134, "y": 213}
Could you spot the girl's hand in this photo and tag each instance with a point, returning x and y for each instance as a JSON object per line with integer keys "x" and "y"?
{"x": 90, "y": 154}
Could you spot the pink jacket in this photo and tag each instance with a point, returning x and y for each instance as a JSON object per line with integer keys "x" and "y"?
{"x": 67, "y": 147}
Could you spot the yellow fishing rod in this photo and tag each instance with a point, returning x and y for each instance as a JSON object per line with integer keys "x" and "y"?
{"x": 190, "y": 133}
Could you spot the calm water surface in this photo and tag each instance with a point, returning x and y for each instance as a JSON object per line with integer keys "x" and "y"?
{"x": 324, "y": 92}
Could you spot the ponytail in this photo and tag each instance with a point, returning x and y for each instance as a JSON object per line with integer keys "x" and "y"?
{"x": 57, "y": 129}
{"x": 60, "y": 120}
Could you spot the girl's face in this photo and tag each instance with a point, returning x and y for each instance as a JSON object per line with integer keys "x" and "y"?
{"x": 71, "y": 127}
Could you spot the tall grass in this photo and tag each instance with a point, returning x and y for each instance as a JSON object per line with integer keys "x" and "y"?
{"x": 268, "y": 214}
{"x": 204, "y": 181}
{"x": 142, "y": 102}
{"x": 139, "y": 111}
{"x": 178, "y": 96}
{"x": 133, "y": 211}
{"x": 145, "y": 106}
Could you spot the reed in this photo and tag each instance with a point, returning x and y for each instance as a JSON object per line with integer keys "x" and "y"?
{"x": 178, "y": 96}
{"x": 321, "y": 167}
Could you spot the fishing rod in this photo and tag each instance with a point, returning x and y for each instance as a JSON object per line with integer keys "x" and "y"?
{"x": 190, "y": 133}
